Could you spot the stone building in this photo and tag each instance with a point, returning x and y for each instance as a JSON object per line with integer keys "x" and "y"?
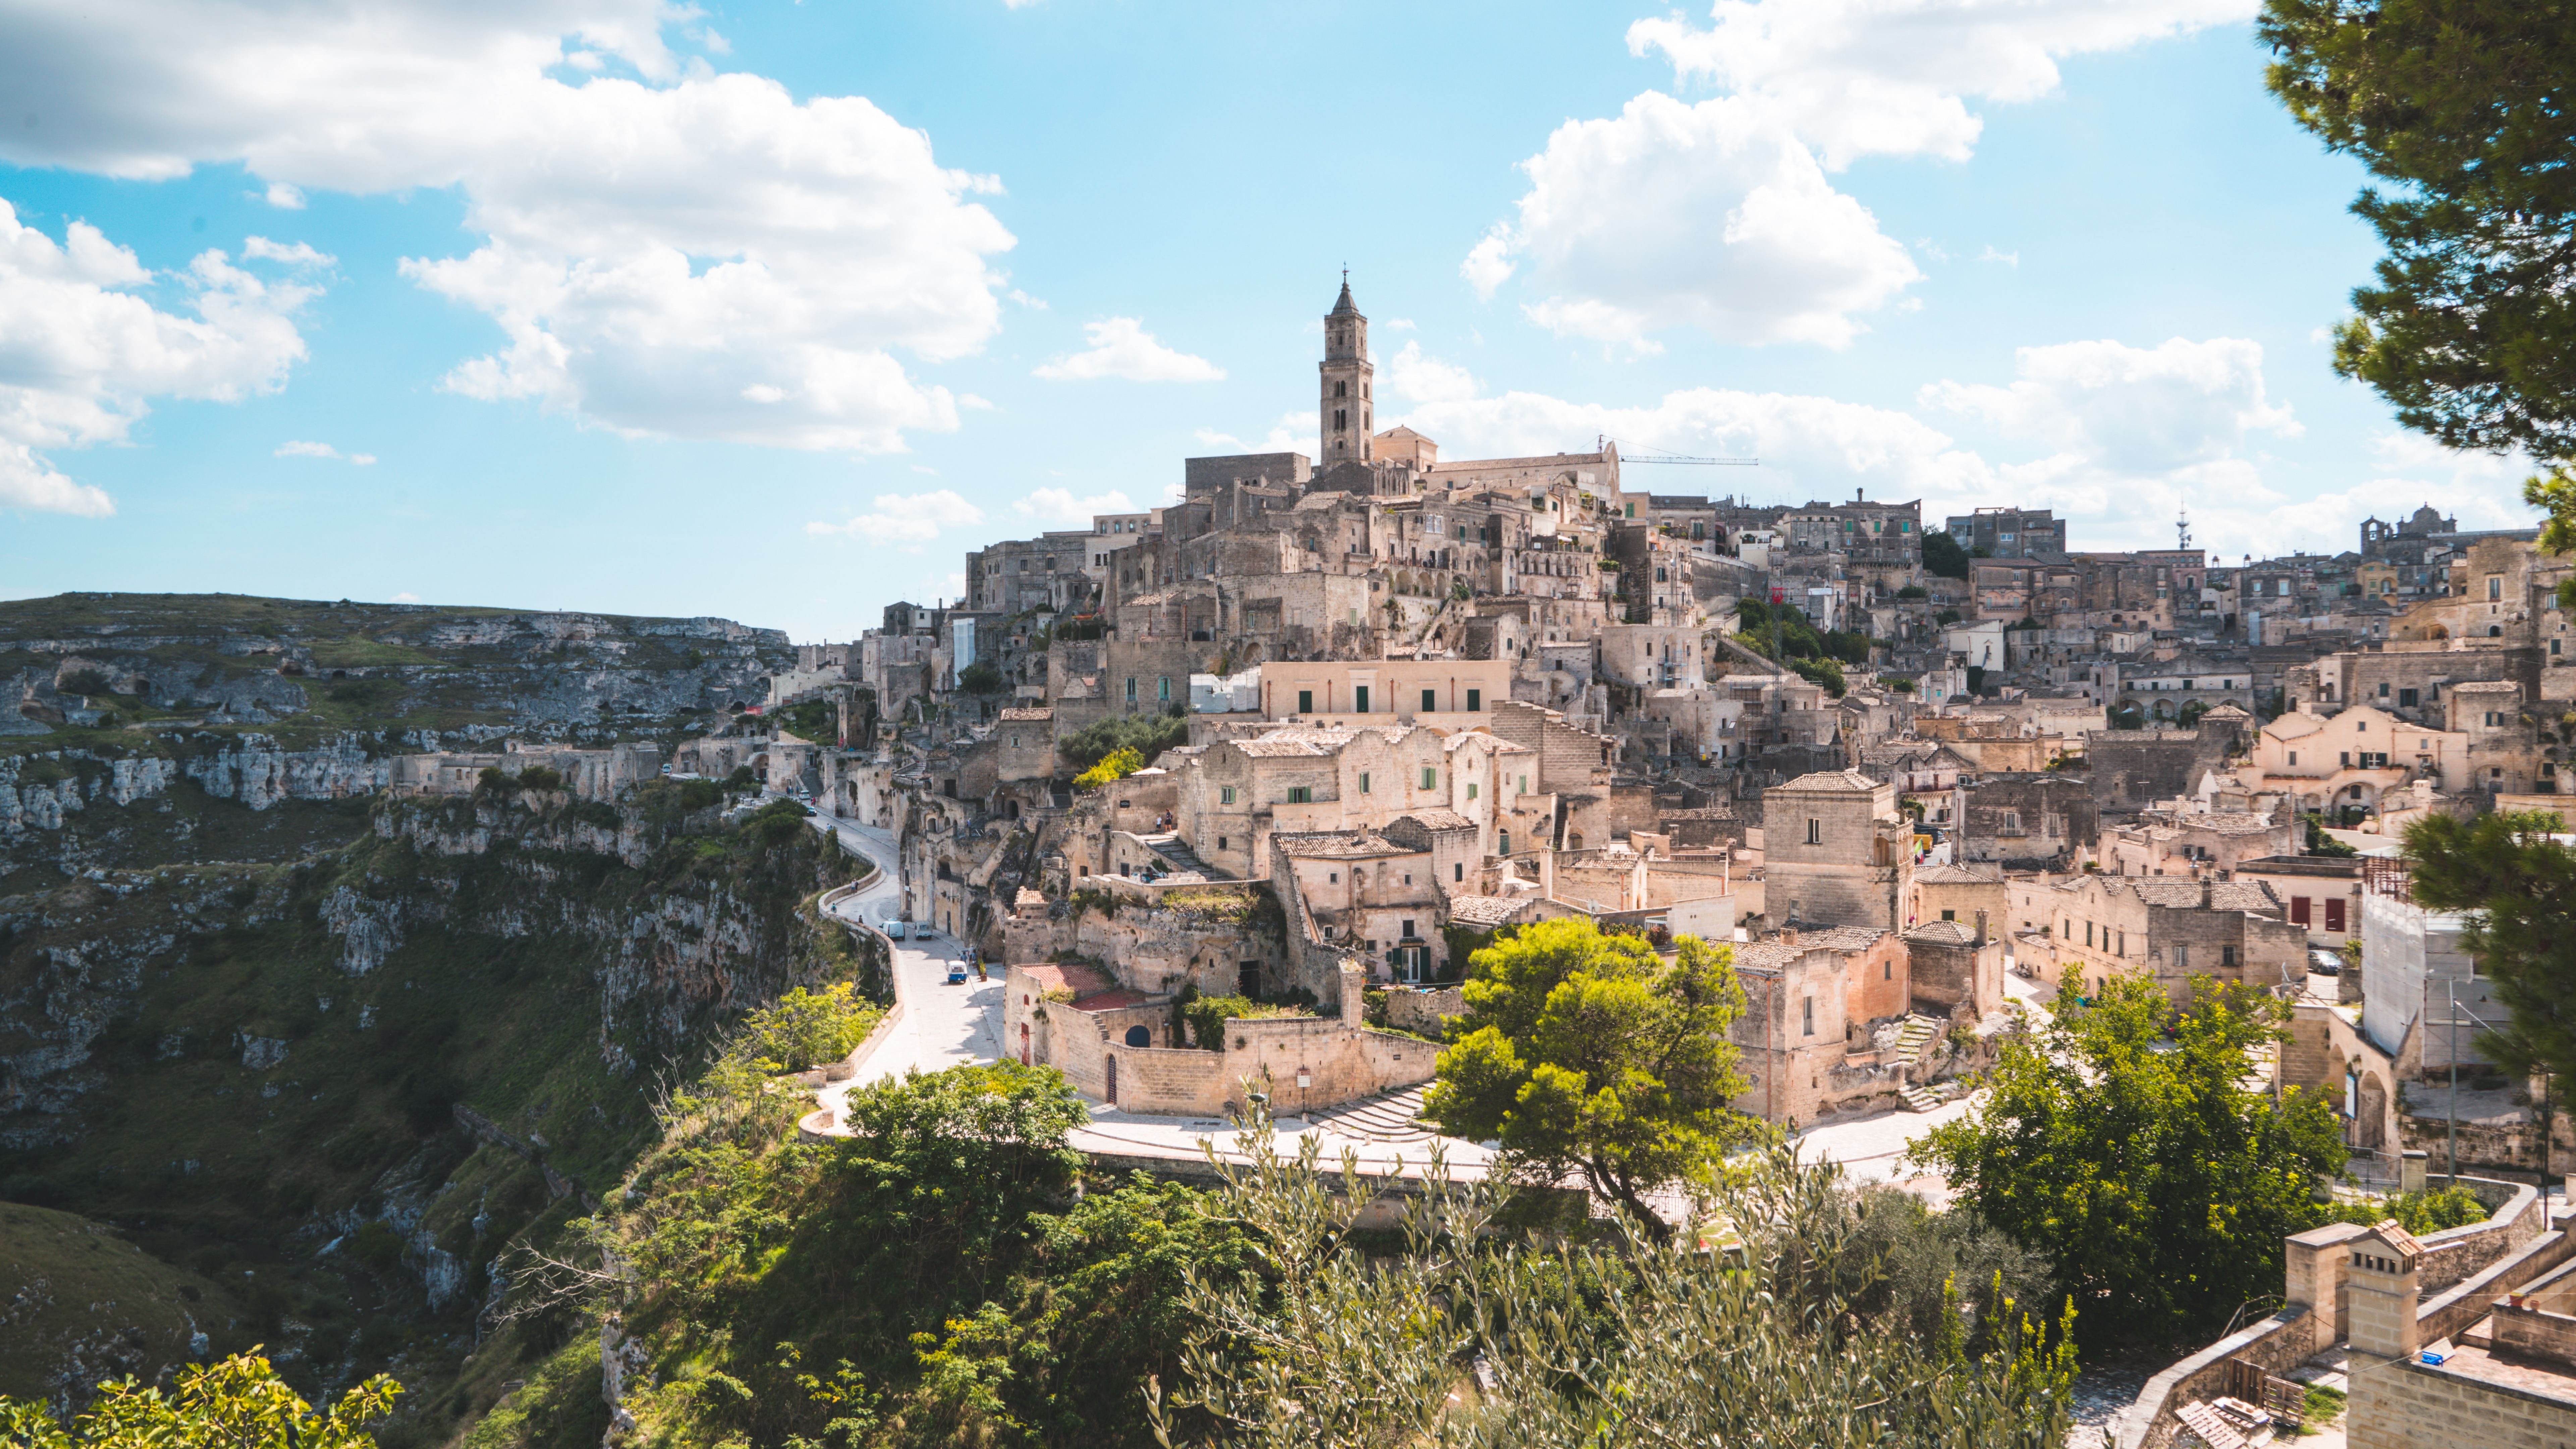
{"x": 2010, "y": 532}
{"x": 2169, "y": 930}
{"x": 2044, "y": 820}
{"x": 1812, "y": 998}
{"x": 1114, "y": 1044}
{"x": 2181, "y": 838}
{"x": 1956, "y": 893}
{"x": 1837, "y": 852}
{"x": 2132, "y": 769}
{"x": 2424, "y": 999}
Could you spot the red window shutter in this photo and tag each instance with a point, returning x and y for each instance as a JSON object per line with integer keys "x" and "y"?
{"x": 2299, "y": 910}
{"x": 2334, "y": 913}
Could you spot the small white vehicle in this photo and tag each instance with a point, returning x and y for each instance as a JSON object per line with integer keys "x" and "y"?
{"x": 894, "y": 930}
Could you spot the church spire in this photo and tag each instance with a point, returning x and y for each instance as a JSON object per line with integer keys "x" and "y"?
{"x": 1347, "y": 412}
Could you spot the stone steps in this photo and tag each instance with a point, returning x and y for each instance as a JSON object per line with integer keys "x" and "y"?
{"x": 1923, "y": 1099}
{"x": 1917, "y": 1033}
{"x": 1395, "y": 1117}
{"x": 1175, "y": 850}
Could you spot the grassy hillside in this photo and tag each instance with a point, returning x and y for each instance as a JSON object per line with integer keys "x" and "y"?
{"x": 79, "y": 1303}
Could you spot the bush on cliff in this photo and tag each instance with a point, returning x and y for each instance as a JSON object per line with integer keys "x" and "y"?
{"x": 1148, "y": 735}
{"x": 945, "y": 1276}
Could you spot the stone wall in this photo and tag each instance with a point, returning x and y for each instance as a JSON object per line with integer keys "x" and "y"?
{"x": 1421, "y": 1009}
{"x": 2407, "y": 1405}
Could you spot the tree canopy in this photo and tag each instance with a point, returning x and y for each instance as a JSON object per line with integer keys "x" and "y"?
{"x": 2518, "y": 887}
{"x": 2145, "y": 1170}
{"x": 1773, "y": 1323}
{"x": 237, "y": 1403}
{"x": 1147, "y": 734}
{"x": 2460, "y": 107}
{"x": 1944, "y": 555}
{"x": 1583, "y": 1052}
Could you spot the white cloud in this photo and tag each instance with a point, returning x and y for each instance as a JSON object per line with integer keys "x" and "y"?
{"x": 1720, "y": 214}
{"x": 81, "y": 352}
{"x": 657, "y": 240}
{"x": 322, "y": 450}
{"x": 1293, "y": 431}
{"x": 1489, "y": 262}
{"x": 1059, "y": 505}
{"x": 2010, "y": 259}
{"x": 1417, "y": 378}
{"x": 1121, "y": 347}
{"x": 1714, "y": 215}
{"x": 406, "y": 598}
{"x": 284, "y": 197}
{"x": 2128, "y": 410}
{"x": 293, "y": 254}
{"x": 1857, "y": 77}
{"x": 907, "y": 520}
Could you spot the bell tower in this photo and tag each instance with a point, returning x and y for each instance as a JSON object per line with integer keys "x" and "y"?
{"x": 1348, "y": 413}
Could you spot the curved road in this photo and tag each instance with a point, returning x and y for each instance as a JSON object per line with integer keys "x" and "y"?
{"x": 942, "y": 1025}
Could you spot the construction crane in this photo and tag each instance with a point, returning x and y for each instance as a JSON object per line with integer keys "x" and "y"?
{"x": 1658, "y": 456}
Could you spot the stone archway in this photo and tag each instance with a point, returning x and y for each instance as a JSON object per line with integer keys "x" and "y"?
{"x": 2370, "y": 1114}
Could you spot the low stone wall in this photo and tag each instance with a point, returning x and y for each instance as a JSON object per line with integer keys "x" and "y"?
{"x": 2515, "y": 1216}
{"x": 2451, "y": 1314}
{"x": 2473, "y": 1263}
{"x": 2277, "y": 1343}
{"x": 1413, "y": 1008}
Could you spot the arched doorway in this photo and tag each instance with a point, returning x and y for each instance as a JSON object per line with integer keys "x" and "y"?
{"x": 2370, "y": 1116}
{"x": 1138, "y": 1036}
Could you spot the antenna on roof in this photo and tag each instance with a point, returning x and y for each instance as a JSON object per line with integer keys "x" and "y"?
{"x": 2182, "y": 529}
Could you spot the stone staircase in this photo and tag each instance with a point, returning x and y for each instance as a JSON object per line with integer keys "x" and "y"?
{"x": 1394, "y": 1117}
{"x": 1925, "y": 1098}
{"x": 1918, "y": 1033}
{"x": 1177, "y": 852}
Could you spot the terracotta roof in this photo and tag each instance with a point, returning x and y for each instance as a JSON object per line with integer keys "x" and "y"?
{"x": 2225, "y": 711}
{"x": 1280, "y": 749}
{"x": 1946, "y": 933}
{"x": 1439, "y": 819}
{"x": 1110, "y": 1000}
{"x": 1339, "y": 846}
{"x": 2224, "y": 895}
{"x": 1079, "y": 979}
{"x": 1483, "y": 910}
{"x": 1952, "y": 875}
{"x": 2397, "y": 1237}
{"x": 1831, "y": 780}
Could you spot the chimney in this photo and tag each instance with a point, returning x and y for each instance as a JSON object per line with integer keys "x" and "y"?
{"x": 1981, "y": 928}
{"x": 2381, "y": 1286}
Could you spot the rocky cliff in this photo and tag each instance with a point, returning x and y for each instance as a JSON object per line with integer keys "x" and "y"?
{"x": 142, "y": 730}
{"x": 357, "y": 1077}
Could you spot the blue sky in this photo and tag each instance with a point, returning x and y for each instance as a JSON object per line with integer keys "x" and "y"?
{"x": 771, "y": 311}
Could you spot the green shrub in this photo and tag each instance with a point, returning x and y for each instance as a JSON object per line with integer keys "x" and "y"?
{"x": 807, "y": 1028}
{"x": 1208, "y": 1015}
{"x": 1115, "y": 766}
{"x": 1146, "y": 734}
{"x": 2429, "y": 1211}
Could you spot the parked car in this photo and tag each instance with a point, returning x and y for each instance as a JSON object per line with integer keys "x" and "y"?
{"x": 2324, "y": 962}
{"x": 956, "y": 973}
{"x": 894, "y": 930}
